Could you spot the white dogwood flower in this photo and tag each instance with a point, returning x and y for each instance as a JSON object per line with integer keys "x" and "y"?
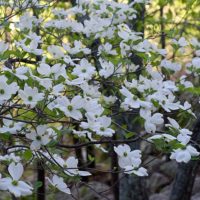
{"x": 71, "y": 167}
{"x": 59, "y": 183}
{"x": 70, "y": 108}
{"x": 107, "y": 68}
{"x": 102, "y": 126}
{"x": 13, "y": 183}
{"x": 130, "y": 100}
{"x": 151, "y": 120}
{"x": 184, "y": 155}
{"x": 39, "y": 137}
{"x": 7, "y": 90}
{"x": 56, "y": 51}
{"x": 10, "y": 126}
{"x": 130, "y": 160}
{"x": 30, "y": 95}
{"x": 106, "y": 48}
{"x": 84, "y": 70}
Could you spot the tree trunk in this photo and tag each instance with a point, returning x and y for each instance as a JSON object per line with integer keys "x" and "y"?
{"x": 133, "y": 187}
{"x": 186, "y": 173}
{"x": 40, "y": 178}
{"x": 115, "y": 176}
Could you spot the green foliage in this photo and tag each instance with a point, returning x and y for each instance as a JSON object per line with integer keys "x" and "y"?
{"x": 27, "y": 154}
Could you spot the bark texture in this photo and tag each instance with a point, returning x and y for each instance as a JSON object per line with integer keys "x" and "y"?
{"x": 133, "y": 187}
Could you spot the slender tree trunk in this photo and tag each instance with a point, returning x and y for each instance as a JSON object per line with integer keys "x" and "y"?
{"x": 162, "y": 27}
{"x": 40, "y": 169}
{"x": 186, "y": 173}
{"x": 13, "y": 197}
{"x": 115, "y": 176}
{"x": 78, "y": 152}
{"x": 133, "y": 187}
{"x": 79, "y": 155}
{"x": 91, "y": 152}
{"x": 41, "y": 178}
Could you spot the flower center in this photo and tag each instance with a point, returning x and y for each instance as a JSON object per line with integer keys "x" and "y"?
{"x": 134, "y": 98}
{"x": 11, "y": 125}
{"x": 15, "y": 183}
{"x": 2, "y": 91}
{"x": 125, "y": 154}
{"x": 102, "y": 129}
{"x": 70, "y": 108}
{"x": 84, "y": 70}
{"x": 38, "y": 137}
{"x": 30, "y": 98}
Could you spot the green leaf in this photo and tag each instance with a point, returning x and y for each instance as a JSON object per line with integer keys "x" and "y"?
{"x": 27, "y": 154}
{"x": 194, "y": 90}
{"x": 155, "y": 103}
{"x": 91, "y": 158}
{"x": 195, "y": 158}
{"x": 52, "y": 143}
{"x": 175, "y": 145}
{"x": 129, "y": 135}
{"x": 38, "y": 184}
{"x": 5, "y": 136}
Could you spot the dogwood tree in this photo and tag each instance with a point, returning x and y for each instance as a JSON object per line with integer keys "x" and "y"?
{"x": 57, "y": 84}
